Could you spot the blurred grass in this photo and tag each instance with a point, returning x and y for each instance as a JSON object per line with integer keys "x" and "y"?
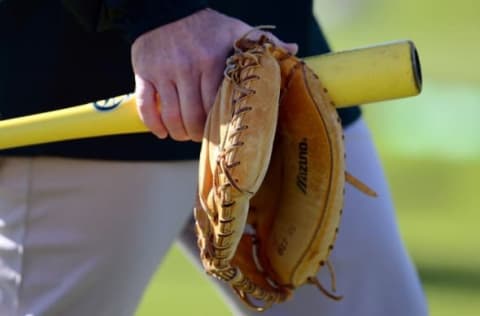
{"x": 445, "y": 32}
{"x": 437, "y": 205}
{"x": 427, "y": 145}
{"x": 180, "y": 289}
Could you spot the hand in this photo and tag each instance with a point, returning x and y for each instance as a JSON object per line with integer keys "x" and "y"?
{"x": 178, "y": 68}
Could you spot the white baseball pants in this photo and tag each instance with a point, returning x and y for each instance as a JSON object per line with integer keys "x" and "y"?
{"x": 81, "y": 237}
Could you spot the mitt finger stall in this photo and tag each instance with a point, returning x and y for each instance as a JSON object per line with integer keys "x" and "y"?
{"x": 235, "y": 155}
{"x": 271, "y": 176}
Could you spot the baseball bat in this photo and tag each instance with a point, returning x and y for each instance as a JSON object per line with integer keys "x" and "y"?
{"x": 358, "y": 76}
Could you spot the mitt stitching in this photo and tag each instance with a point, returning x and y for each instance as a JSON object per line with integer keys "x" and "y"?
{"x": 221, "y": 243}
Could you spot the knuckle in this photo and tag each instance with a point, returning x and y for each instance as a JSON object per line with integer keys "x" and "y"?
{"x": 211, "y": 59}
{"x": 206, "y": 56}
{"x": 184, "y": 66}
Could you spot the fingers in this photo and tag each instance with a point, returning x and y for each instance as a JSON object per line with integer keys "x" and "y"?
{"x": 147, "y": 107}
{"x": 171, "y": 112}
{"x": 181, "y": 108}
{"x": 192, "y": 111}
{"x": 168, "y": 110}
{"x": 210, "y": 82}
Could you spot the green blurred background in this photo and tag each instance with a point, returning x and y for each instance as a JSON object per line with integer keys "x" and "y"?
{"x": 429, "y": 145}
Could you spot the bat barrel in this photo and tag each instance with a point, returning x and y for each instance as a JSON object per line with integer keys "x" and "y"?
{"x": 370, "y": 74}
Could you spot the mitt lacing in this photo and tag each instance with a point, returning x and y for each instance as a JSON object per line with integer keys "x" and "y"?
{"x": 246, "y": 289}
{"x": 237, "y": 70}
{"x": 316, "y": 282}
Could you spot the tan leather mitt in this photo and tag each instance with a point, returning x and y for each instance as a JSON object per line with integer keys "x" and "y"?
{"x": 271, "y": 176}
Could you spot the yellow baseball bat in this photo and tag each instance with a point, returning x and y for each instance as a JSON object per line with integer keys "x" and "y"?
{"x": 358, "y": 76}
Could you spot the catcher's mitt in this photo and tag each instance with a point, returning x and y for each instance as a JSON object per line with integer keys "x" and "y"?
{"x": 271, "y": 177}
